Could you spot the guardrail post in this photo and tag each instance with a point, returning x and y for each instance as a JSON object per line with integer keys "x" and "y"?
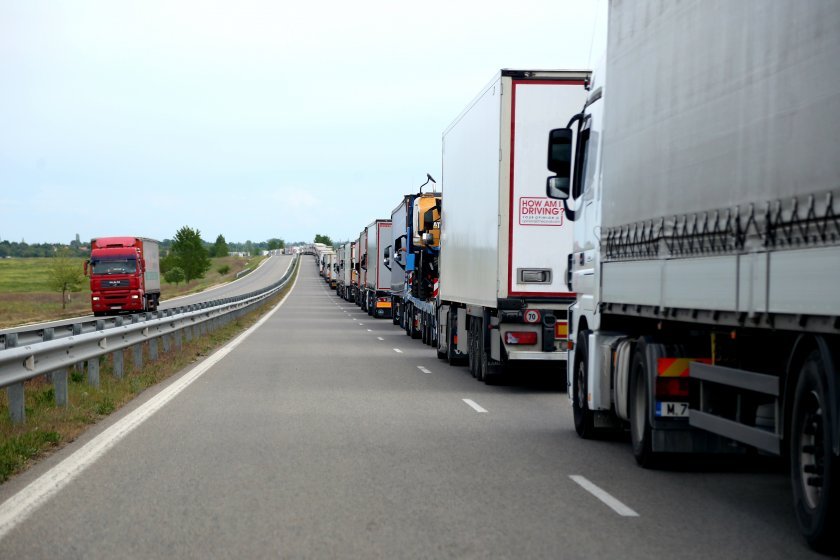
{"x": 60, "y": 386}
{"x": 153, "y": 354}
{"x": 93, "y": 372}
{"x": 137, "y": 349}
{"x": 17, "y": 410}
{"x": 17, "y": 403}
{"x": 118, "y": 364}
{"x": 118, "y": 355}
{"x": 77, "y": 330}
{"x": 49, "y": 334}
{"x": 138, "y": 356}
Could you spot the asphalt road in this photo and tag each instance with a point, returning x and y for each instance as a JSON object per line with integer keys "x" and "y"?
{"x": 329, "y": 434}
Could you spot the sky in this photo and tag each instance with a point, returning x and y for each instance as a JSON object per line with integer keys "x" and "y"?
{"x": 249, "y": 119}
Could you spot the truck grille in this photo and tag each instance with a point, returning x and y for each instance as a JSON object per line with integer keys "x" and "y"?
{"x": 108, "y": 284}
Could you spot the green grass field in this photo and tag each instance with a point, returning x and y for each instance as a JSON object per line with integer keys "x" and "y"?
{"x": 25, "y": 296}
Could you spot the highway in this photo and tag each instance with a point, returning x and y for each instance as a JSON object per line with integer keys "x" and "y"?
{"x": 328, "y": 434}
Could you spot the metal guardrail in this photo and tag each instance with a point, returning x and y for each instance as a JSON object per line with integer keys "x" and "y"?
{"x": 88, "y": 340}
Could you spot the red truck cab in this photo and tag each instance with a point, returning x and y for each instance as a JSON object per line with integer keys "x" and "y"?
{"x": 124, "y": 275}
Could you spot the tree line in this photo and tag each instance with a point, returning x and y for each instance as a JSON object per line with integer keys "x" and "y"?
{"x": 219, "y": 248}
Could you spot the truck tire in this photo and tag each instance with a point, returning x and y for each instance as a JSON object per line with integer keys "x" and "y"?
{"x": 395, "y": 312}
{"x": 639, "y": 409}
{"x": 584, "y": 418}
{"x": 814, "y": 469}
{"x": 414, "y": 330}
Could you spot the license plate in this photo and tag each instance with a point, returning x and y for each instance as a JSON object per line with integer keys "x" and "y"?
{"x": 672, "y": 409}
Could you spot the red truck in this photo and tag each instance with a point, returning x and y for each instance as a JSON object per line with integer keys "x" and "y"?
{"x": 124, "y": 275}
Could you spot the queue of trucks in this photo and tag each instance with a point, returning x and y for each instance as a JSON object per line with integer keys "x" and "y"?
{"x": 681, "y": 265}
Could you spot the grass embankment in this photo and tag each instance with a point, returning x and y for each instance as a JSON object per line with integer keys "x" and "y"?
{"x": 48, "y": 428}
{"x": 25, "y": 296}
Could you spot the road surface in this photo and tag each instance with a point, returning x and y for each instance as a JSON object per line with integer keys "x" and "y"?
{"x": 328, "y": 434}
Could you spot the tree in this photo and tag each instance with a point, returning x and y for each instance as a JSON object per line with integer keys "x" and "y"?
{"x": 325, "y": 239}
{"x": 274, "y": 244}
{"x": 65, "y": 275}
{"x": 174, "y": 275}
{"x": 220, "y": 248}
{"x": 189, "y": 253}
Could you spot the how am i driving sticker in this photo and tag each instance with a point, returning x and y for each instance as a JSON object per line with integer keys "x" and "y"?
{"x": 540, "y": 211}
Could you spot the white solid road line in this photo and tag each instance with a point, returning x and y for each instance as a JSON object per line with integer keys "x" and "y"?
{"x": 604, "y": 496}
{"x": 475, "y": 406}
{"x": 424, "y": 370}
{"x": 23, "y": 504}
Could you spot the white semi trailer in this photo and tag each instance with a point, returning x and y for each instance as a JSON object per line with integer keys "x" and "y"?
{"x": 503, "y": 295}
{"x": 703, "y": 177}
{"x": 377, "y": 288}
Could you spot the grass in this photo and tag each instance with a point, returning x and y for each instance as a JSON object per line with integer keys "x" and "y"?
{"x": 26, "y": 298}
{"x": 48, "y": 428}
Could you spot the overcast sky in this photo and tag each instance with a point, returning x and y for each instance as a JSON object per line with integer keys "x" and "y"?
{"x": 249, "y": 119}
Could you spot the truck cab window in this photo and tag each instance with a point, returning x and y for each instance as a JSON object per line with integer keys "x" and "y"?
{"x": 581, "y": 161}
{"x": 115, "y": 266}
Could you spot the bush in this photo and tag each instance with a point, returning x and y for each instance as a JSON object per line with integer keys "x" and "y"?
{"x": 175, "y": 275}
{"x": 223, "y": 270}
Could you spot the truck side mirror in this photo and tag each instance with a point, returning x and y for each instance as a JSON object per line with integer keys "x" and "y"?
{"x": 142, "y": 265}
{"x": 87, "y": 263}
{"x": 387, "y": 260}
{"x": 560, "y": 163}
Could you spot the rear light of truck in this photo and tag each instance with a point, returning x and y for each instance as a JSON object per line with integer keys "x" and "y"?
{"x": 671, "y": 388}
{"x": 515, "y": 337}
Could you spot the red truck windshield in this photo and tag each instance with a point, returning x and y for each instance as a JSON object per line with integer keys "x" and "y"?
{"x": 114, "y": 266}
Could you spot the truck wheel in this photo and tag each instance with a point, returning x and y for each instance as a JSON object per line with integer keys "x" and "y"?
{"x": 640, "y": 429}
{"x": 584, "y": 418}
{"x": 814, "y": 469}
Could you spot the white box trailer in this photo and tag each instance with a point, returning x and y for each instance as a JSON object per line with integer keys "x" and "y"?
{"x": 707, "y": 238}
{"x": 378, "y": 277}
{"x": 361, "y": 299}
{"x": 345, "y": 264}
{"x": 504, "y": 243}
